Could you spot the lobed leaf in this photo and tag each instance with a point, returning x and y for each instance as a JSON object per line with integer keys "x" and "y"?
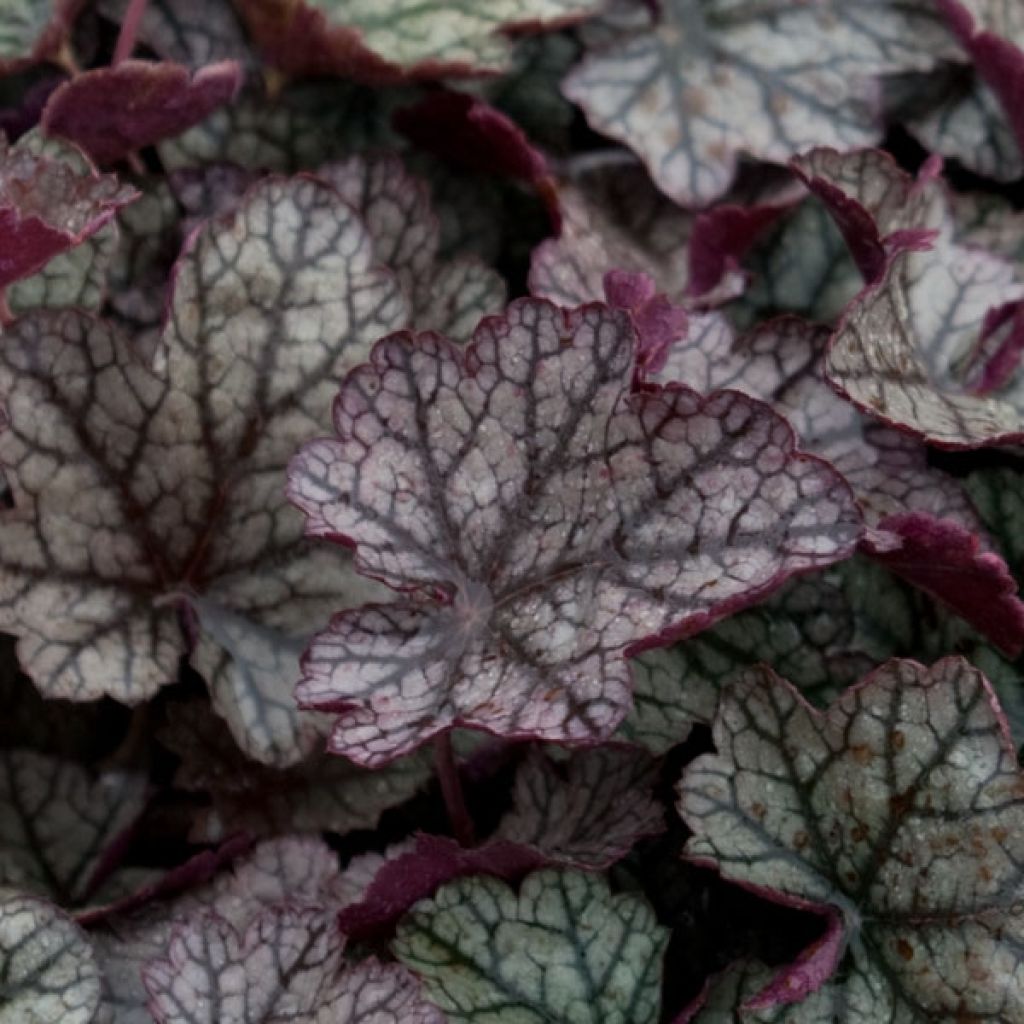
{"x": 565, "y": 949}
{"x": 168, "y": 480}
{"x": 900, "y": 807}
{"x": 708, "y": 82}
{"x": 549, "y": 519}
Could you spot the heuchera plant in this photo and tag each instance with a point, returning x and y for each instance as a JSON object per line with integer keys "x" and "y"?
{"x": 511, "y": 512}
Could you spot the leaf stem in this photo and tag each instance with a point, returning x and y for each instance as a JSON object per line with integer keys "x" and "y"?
{"x": 451, "y": 788}
{"x": 129, "y": 31}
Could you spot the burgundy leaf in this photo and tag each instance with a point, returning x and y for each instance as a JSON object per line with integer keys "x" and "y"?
{"x": 659, "y": 324}
{"x": 944, "y": 559}
{"x": 111, "y": 112}
{"x": 48, "y": 206}
{"x": 547, "y": 519}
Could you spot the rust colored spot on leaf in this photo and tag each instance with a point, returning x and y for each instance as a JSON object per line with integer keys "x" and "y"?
{"x": 905, "y": 949}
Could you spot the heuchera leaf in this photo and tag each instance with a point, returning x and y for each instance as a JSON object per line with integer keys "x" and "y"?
{"x": 48, "y": 205}
{"x": 320, "y": 794}
{"x": 57, "y": 823}
{"x": 144, "y": 505}
{"x": 904, "y": 348}
{"x": 563, "y": 950}
{"x": 111, "y": 112}
{"x": 547, "y": 518}
{"x": 31, "y": 31}
{"x": 283, "y": 967}
{"x": 926, "y": 528}
{"x": 901, "y": 807}
{"x": 292, "y": 873}
{"x": 49, "y": 972}
{"x": 710, "y": 81}
{"x": 398, "y": 39}
{"x": 590, "y": 811}
{"x": 372, "y": 992}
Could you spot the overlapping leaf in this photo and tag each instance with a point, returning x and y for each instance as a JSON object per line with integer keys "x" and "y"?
{"x": 49, "y": 204}
{"x": 563, "y": 950}
{"x": 901, "y": 807}
{"x": 320, "y": 794}
{"x": 48, "y": 971}
{"x": 139, "y": 485}
{"x": 111, "y": 112}
{"x": 710, "y": 81}
{"x": 384, "y": 42}
{"x": 549, "y": 519}
{"x": 905, "y": 349}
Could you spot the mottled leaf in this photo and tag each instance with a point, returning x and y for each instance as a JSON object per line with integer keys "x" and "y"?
{"x": 57, "y": 822}
{"x": 320, "y": 794}
{"x": 710, "y": 81}
{"x": 48, "y": 205}
{"x": 111, "y": 112}
{"x": 47, "y": 970}
{"x": 170, "y": 479}
{"x": 588, "y": 812}
{"x": 901, "y": 808}
{"x": 397, "y": 39}
{"x": 283, "y": 967}
{"x": 549, "y": 518}
{"x": 563, "y": 950}
{"x": 32, "y": 31}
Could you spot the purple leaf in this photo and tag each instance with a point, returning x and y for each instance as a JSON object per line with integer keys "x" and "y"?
{"x": 48, "y": 205}
{"x": 659, "y": 324}
{"x": 49, "y": 971}
{"x": 33, "y": 32}
{"x": 111, "y": 112}
{"x": 58, "y": 823}
{"x": 709, "y": 82}
{"x": 546, "y": 519}
{"x": 372, "y": 992}
{"x": 942, "y": 558}
{"x": 147, "y": 509}
{"x": 588, "y": 812}
{"x": 901, "y": 808}
{"x": 394, "y": 40}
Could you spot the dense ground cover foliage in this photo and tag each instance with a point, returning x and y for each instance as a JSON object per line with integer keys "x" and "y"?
{"x": 512, "y": 511}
